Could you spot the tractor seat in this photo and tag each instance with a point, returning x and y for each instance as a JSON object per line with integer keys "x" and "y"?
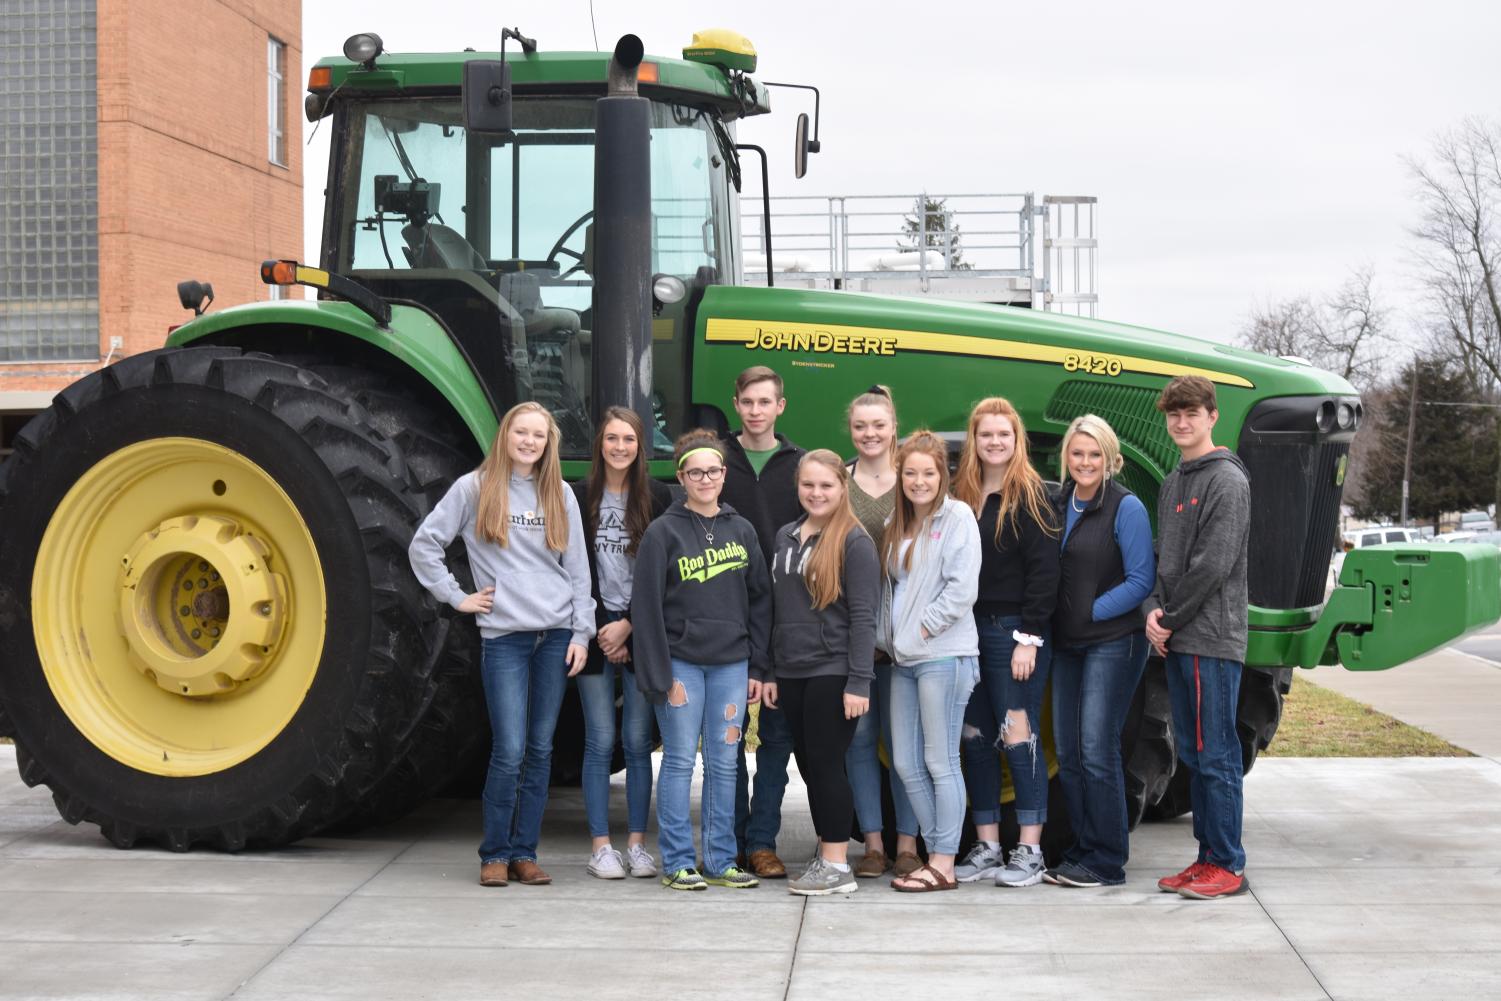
{"x": 434, "y": 245}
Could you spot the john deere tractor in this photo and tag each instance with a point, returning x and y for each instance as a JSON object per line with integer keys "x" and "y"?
{"x": 209, "y": 632}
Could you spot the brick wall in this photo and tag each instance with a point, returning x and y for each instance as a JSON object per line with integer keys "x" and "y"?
{"x": 186, "y": 189}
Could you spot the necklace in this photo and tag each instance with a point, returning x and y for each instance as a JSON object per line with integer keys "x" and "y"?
{"x": 708, "y": 532}
{"x": 1073, "y": 502}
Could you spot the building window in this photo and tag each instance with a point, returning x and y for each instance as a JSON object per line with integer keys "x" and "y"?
{"x": 276, "y": 98}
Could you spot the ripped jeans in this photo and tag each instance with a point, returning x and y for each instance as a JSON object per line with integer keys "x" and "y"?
{"x": 710, "y": 705}
{"x": 985, "y": 727}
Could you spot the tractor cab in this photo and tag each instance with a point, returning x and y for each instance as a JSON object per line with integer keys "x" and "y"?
{"x": 494, "y": 233}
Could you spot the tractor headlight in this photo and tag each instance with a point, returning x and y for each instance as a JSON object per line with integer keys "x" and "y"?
{"x": 668, "y": 289}
{"x": 363, "y": 49}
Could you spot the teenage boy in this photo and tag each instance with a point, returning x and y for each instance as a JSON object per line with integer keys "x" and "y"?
{"x": 760, "y": 483}
{"x": 1196, "y": 620}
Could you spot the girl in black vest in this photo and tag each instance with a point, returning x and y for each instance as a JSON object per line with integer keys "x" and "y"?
{"x": 617, "y": 501}
{"x": 1106, "y": 571}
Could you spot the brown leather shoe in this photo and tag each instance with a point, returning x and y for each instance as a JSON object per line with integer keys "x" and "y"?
{"x": 529, "y": 873}
{"x": 765, "y": 864}
{"x": 906, "y": 864}
{"x": 493, "y": 874}
{"x": 872, "y": 864}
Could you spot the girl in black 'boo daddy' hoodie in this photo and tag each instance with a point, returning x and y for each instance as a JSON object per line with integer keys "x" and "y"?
{"x": 700, "y": 615}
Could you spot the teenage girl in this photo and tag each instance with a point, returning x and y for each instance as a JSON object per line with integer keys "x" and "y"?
{"x": 872, "y": 493}
{"x": 700, "y": 615}
{"x": 931, "y": 560}
{"x": 618, "y": 500}
{"x": 520, "y": 524}
{"x": 1108, "y": 570}
{"x": 825, "y": 584}
{"x": 1018, "y": 589}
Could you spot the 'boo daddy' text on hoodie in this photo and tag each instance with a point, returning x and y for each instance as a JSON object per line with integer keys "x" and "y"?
{"x": 535, "y": 588}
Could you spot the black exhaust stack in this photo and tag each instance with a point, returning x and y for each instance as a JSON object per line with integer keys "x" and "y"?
{"x": 622, "y": 241}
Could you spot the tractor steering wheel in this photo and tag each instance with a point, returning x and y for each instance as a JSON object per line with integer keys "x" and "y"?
{"x": 559, "y": 249}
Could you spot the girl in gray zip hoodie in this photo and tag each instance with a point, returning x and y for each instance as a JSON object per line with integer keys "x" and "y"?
{"x": 926, "y": 624}
{"x": 521, "y": 528}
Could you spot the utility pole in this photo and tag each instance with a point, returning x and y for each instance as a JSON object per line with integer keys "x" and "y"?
{"x": 1412, "y": 421}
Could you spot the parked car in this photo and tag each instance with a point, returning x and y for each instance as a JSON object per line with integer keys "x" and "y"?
{"x": 1476, "y": 521}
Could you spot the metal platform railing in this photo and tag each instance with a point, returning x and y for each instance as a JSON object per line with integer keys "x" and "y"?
{"x": 975, "y": 247}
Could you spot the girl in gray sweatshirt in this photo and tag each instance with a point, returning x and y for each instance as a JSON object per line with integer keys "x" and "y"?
{"x": 926, "y": 623}
{"x": 521, "y": 527}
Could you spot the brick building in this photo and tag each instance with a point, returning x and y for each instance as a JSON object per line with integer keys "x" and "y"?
{"x": 142, "y": 142}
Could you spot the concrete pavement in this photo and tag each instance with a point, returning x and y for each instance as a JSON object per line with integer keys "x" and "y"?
{"x": 1371, "y": 879}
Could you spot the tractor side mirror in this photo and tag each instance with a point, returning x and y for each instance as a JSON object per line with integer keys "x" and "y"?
{"x": 800, "y": 148}
{"x": 195, "y": 296}
{"x": 487, "y": 97}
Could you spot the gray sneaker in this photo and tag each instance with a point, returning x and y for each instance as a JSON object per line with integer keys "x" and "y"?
{"x": 1024, "y": 868}
{"x": 607, "y": 864}
{"x": 982, "y": 862}
{"x": 822, "y": 879}
{"x": 642, "y": 864}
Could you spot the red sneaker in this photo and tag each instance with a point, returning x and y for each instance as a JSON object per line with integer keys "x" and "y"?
{"x": 1212, "y": 882}
{"x": 1172, "y": 884}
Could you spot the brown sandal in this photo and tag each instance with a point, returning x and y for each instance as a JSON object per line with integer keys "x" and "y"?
{"x": 919, "y": 884}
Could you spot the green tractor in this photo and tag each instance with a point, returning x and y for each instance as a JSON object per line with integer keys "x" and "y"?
{"x": 209, "y": 633}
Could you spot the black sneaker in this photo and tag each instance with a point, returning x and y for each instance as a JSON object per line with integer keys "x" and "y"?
{"x": 1070, "y": 874}
{"x": 1050, "y": 875}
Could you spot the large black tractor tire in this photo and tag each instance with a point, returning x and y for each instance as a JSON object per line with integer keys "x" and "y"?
{"x": 1258, "y": 713}
{"x": 1147, "y": 743}
{"x": 218, "y": 442}
{"x": 450, "y": 731}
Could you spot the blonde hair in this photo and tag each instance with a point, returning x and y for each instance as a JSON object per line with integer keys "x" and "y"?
{"x": 876, "y": 396}
{"x": 492, "y": 522}
{"x": 904, "y": 520}
{"x": 824, "y": 572}
{"x": 1021, "y": 486}
{"x": 1104, "y": 436}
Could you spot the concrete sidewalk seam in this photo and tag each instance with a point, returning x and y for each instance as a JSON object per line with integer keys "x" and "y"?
{"x": 1301, "y": 958}
{"x": 797, "y": 941}
{"x": 311, "y": 925}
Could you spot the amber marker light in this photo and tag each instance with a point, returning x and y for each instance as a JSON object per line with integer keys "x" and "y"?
{"x": 647, "y": 73}
{"x": 279, "y": 272}
{"x": 320, "y": 78}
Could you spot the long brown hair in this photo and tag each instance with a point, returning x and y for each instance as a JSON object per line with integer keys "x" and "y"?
{"x": 1021, "y": 486}
{"x": 875, "y": 396}
{"x": 492, "y": 523}
{"x": 824, "y": 571}
{"x": 637, "y": 482}
{"x": 904, "y": 522}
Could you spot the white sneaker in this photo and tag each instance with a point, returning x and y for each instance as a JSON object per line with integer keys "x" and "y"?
{"x": 607, "y": 864}
{"x": 981, "y": 863}
{"x": 643, "y": 866}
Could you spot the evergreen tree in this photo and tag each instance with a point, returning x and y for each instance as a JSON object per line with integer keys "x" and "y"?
{"x": 1453, "y": 448}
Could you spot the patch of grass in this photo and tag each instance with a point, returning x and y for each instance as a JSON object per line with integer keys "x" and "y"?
{"x": 1319, "y": 723}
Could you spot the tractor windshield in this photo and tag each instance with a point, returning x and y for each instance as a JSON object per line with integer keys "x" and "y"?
{"x": 496, "y": 235}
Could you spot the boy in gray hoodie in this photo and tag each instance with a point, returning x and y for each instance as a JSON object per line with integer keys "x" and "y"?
{"x": 1196, "y": 620}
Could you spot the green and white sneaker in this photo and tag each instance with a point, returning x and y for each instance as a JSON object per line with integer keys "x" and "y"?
{"x": 685, "y": 879}
{"x": 822, "y": 879}
{"x": 735, "y": 878}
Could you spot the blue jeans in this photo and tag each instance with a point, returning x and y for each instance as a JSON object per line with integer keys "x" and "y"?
{"x": 1205, "y": 692}
{"x": 862, "y": 762}
{"x": 927, "y": 713}
{"x": 525, "y": 676}
{"x": 758, "y": 808}
{"x": 712, "y": 715}
{"x": 597, "y": 695}
{"x": 1092, "y": 691}
{"x": 984, "y": 727}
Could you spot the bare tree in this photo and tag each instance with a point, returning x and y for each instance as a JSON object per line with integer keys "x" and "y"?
{"x": 1458, "y": 252}
{"x": 1345, "y": 332}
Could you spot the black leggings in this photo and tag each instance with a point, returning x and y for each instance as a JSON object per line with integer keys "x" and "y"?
{"x": 820, "y": 736}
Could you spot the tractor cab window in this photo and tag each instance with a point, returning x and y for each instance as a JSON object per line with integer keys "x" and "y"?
{"x": 496, "y": 237}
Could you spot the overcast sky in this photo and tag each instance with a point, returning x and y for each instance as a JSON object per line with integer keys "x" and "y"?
{"x": 1241, "y": 152}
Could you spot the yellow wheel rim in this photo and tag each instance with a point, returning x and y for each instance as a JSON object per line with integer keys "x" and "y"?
{"x": 178, "y": 604}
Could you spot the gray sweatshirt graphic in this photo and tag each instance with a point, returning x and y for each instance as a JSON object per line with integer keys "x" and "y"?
{"x": 535, "y": 588}
{"x": 1203, "y": 525}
